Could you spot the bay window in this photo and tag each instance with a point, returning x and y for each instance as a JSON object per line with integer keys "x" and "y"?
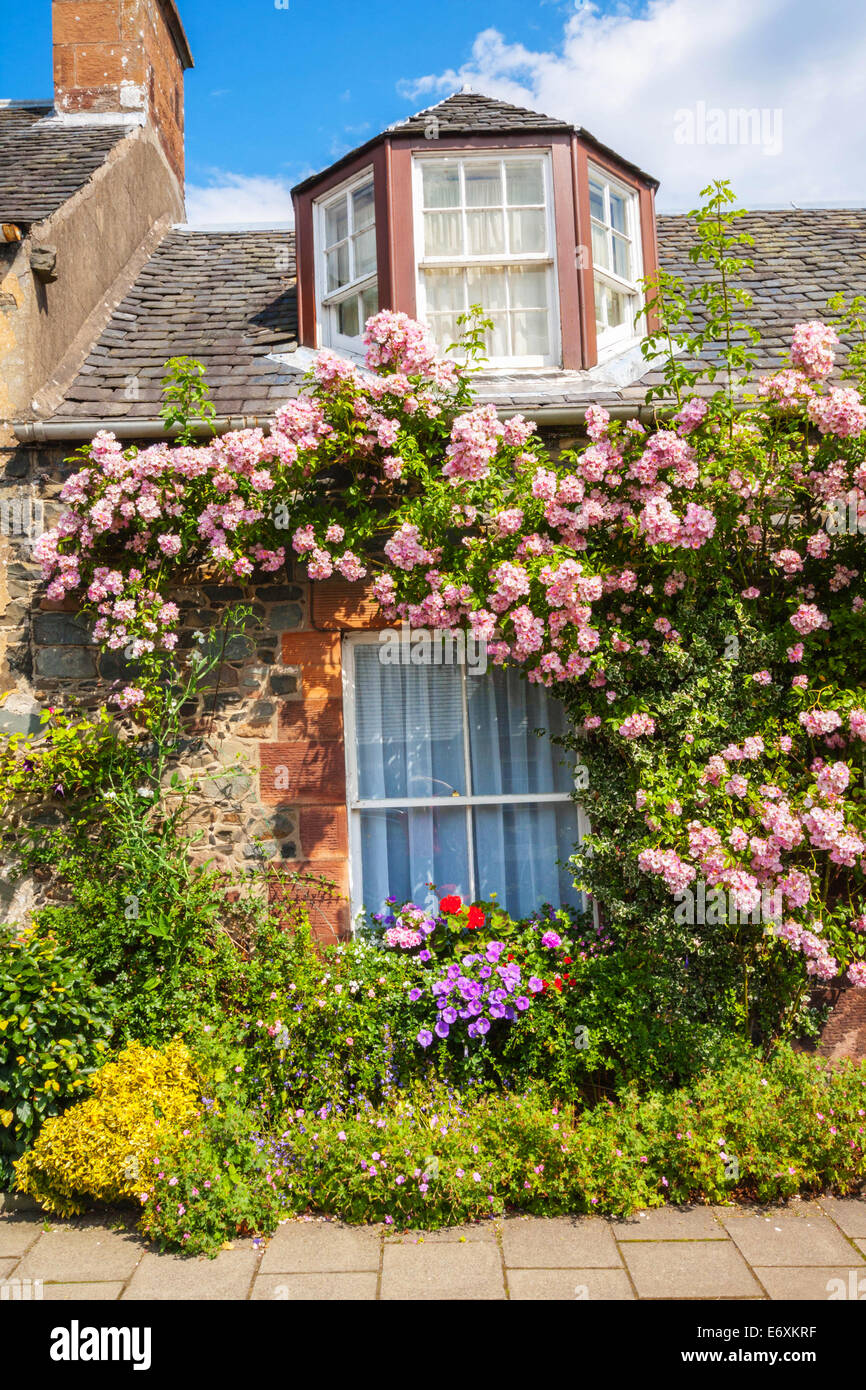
{"x": 451, "y": 784}
{"x": 347, "y": 288}
{"x": 484, "y": 235}
{"x": 616, "y": 258}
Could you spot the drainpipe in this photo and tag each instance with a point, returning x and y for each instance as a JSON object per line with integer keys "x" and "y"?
{"x": 47, "y": 431}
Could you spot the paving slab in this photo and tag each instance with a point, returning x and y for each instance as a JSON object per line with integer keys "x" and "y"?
{"x": 579, "y": 1285}
{"x": 7, "y": 1266}
{"x": 306, "y": 1247}
{"x": 486, "y": 1232}
{"x": 447, "y": 1271}
{"x": 782, "y": 1238}
{"x": 812, "y": 1282}
{"x": 18, "y": 1232}
{"x": 162, "y": 1277}
{"x": 583, "y": 1242}
{"x": 689, "y": 1269}
{"x": 318, "y": 1288}
{"x": 670, "y": 1223}
{"x": 80, "y": 1254}
{"x": 72, "y": 1293}
{"x": 849, "y": 1213}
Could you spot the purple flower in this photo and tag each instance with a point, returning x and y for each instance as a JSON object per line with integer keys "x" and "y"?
{"x": 442, "y": 1030}
{"x": 521, "y": 1002}
{"x": 415, "y": 994}
{"x": 483, "y": 1025}
{"x": 425, "y": 955}
{"x": 449, "y": 1015}
{"x": 551, "y": 940}
{"x": 425, "y": 1037}
{"x": 535, "y": 985}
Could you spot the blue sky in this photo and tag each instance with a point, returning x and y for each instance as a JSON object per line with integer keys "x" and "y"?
{"x": 279, "y": 92}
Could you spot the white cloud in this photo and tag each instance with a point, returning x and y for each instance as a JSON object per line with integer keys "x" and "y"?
{"x": 239, "y": 198}
{"x": 629, "y": 76}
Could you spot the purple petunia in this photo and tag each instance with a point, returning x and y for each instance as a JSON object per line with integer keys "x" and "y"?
{"x": 535, "y": 985}
{"x": 425, "y": 1037}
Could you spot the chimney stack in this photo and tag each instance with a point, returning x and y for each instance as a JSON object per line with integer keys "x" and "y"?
{"x": 123, "y": 58}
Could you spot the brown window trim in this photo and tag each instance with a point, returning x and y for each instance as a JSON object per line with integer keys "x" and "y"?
{"x": 391, "y": 161}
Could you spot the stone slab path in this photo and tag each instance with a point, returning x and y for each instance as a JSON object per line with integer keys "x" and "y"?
{"x": 703, "y": 1253}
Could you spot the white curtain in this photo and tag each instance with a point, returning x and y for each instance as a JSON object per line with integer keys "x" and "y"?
{"x": 410, "y": 743}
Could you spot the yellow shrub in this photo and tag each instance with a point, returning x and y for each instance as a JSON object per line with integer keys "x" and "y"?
{"x": 103, "y": 1148}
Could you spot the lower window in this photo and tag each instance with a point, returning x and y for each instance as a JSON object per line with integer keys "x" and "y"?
{"x": 449, "y": 784}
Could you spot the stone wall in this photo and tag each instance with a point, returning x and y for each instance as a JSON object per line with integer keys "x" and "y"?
{"x": 271, "y": 760}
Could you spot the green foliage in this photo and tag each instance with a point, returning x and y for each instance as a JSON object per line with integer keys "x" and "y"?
{"x": 54, "y": 1022}
{"x": 187, "y": 397}
{"x": 103, "y": 1148}
{"x": 432, "y": 1156}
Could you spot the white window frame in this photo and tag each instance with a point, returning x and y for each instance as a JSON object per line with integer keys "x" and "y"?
{"x": 615, "y": 339}
{"x": 351, "y": 642}
{"x": 327, "y": 300}
{"x": 545, "y": 259}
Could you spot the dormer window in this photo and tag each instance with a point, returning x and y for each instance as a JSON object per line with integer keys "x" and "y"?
{"x": 346, "y": 270}
{"x": 616, "y": 258}
{"x": 476, "y": 201}
{"x": 484, "y": 235}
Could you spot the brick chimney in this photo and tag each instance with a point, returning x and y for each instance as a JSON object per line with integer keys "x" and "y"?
{"x": 124, "y": 58}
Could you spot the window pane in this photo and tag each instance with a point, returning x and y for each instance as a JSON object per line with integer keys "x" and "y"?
{"x": 621, "y": 257}
{"x": 527, "y": 230}
{"x": 369, "y": 303}
{"x": 441, "y": 183}
{"x": 338, "y": 267}
{"x": 409, "y": 727}
{"x": 524, "y": 183}
{"x": 444, "y": 290}
{"x": 487, "y": 288}
{"x": 528, "y": 288}
{"x": 363, "y": 207}
{"x": 596, "y": 200}
{"x": 443, "y": 234}
{"x": 600, "y": 252}
{"x": 612, "y": 309}
{"x": 516, "y": 853}
{"x": 404, "y": 851}
{"x": 445, "y": 329}
{"x": 336, "y": 221}
{"x": 508, "y": 757}
{"x": 483, "y": 185}
{"x": 347, "y": 317}
{"x": 485, "y": 233}
{"x": 365, "y": 253}
{"x": 618, "y": 212}
{"x": 530, "y": 335}
{"x": 496, "y": 340}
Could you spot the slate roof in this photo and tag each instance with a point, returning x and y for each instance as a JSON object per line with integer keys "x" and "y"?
{"x": 41, "y": 166}
{"x": 225, "y": 298}
{"x": 471, "y": 113}
{"x": 228, "y": 299}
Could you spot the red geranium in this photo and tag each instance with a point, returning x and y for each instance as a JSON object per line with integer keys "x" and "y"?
{"x": 475, "y": 918}
{"x": 451, "y": 905}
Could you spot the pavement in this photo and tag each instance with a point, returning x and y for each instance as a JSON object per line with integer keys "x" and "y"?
{"x": 810, "y": 1250}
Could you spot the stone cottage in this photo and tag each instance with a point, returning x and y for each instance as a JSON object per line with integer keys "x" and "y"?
{"x": 375, "y": 778}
